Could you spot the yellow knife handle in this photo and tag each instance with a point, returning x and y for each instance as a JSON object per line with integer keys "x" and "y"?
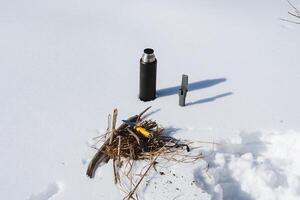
{"x": 144, "y": 132}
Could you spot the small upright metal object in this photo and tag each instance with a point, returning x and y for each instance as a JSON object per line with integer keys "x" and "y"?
{"x": 148, "y": 67}
{"x": 183, "y": 90}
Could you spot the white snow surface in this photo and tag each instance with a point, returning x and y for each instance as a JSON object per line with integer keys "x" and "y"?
{"x": 256, "y": 166}
{"x": 66, "y": 64}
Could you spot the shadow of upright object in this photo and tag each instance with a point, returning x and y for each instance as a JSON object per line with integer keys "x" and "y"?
{"x": 170, "y": 131}
{"x": 192, "y": 86}
{"x": 210, "y": 99}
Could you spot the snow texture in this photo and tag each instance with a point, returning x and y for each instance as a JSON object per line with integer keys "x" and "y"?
{"x": 64, "y": 65}
{"x": 51, "y": 190}
{"x": 258, "y": 166}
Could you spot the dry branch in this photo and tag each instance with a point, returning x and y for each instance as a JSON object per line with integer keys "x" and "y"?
{"x": 101, "y": 156}
{"x": 139, "y": 182}
{"x": 295, "y": 14}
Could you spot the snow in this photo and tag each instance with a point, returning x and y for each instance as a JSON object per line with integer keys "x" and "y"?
{"x": 256, "y": 167}
{"x": 66, "y": 64}
{"x": 51, "y": 190}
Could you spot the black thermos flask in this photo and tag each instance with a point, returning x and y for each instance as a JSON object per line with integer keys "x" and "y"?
{"x": 148, "y": 65}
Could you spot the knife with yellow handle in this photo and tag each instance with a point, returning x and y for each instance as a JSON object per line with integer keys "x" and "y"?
{"x": 139, "y": 129}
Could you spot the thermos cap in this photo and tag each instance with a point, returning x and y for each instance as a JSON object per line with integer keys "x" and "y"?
{"x": 148, "y": 56}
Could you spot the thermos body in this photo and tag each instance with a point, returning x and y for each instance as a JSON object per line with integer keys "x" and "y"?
{"x": 148, "y": 69}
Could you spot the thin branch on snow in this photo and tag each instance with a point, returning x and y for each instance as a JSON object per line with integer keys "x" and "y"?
{"x": 296, "y": 14}
{"x": 296, "y": 9}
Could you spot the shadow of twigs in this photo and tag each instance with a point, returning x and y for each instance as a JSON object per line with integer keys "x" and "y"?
{"x": 150, "y": 113}
{"x": 210, "y": 99}
{"x": 170, "y": 131}
{"x": 192, "y": 86}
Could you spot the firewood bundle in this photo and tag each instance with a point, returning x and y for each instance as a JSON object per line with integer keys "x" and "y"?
{"x": 137, "y": 138}
{"x": 130, "y": 141}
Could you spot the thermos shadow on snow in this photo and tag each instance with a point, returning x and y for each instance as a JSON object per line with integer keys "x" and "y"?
{"x": 191, "y": 87}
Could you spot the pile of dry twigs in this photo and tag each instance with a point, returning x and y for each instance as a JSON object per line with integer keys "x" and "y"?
{"x": 137, "y": 138}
